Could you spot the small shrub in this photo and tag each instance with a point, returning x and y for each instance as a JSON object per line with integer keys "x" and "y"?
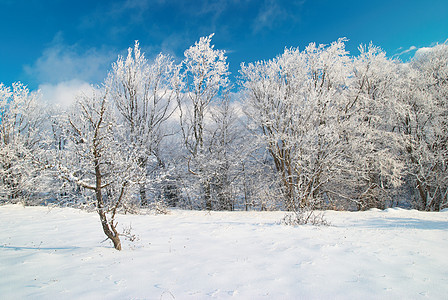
{"x": 303, "y": 217}
{"x": 127, "y": 233}
{"x": 159, "y": 208}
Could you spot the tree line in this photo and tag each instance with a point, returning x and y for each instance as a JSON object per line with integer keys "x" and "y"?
{"x": 309, "y": 129}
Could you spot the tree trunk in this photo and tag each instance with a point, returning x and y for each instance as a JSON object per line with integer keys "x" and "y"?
{"x": 108, "y": 228}
{"x": 110, "y": 231}
{"x": 142, "y": 161}
{"x": 207, "y": 196}
{"x": 143, "y": 199}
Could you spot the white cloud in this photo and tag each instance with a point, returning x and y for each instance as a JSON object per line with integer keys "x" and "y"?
{"x": 61, "y": 62}
{"x": 268, "y": 14}
{"x": 64, "y": 93}
{"x": 412, "y": 48}
{"x": 421, "y": 51}
{"x": 63, "y": 71}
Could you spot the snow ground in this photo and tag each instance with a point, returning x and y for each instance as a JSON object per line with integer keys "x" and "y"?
{"x": 57, "y": 254}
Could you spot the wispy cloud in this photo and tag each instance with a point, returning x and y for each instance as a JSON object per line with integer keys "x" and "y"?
{"x": 61, "y": 62}
{"x": 268, "y": 14}
{"x": 415, "y": 52}
{"x": 410, "y": 49}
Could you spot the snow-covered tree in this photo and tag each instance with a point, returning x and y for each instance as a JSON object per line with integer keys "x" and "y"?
{"x": 21, "y": 141}
{"x": 424, "y": 122}
{"x": 227, "y": 150}
{"x": 98, "y": 159}
{"x": 205, "y": 72}
{"x": 328, "y": 121}
{"x": 374, "y": 166}
{"x": 205, "y": 75}
{"x": 144, "y": 93}
{"x": 295, "y": 102}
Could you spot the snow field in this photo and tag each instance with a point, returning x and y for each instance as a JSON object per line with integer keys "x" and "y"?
{"x": 57, "y": 253}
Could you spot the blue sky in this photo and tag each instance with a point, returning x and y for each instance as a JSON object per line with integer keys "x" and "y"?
{"x": 45, "y": 43}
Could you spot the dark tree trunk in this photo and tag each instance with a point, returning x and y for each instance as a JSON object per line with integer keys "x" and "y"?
{"x": 143, "y": 199}
{"x": 207, "y": 196}
{"x": 108, "y": 227}
{"x": 109, "y": 230}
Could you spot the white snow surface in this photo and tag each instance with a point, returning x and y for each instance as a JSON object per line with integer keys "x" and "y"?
{"x": 59, "y": 253}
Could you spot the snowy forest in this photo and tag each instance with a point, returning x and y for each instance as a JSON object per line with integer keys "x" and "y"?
{"x": 311, "y": 129}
